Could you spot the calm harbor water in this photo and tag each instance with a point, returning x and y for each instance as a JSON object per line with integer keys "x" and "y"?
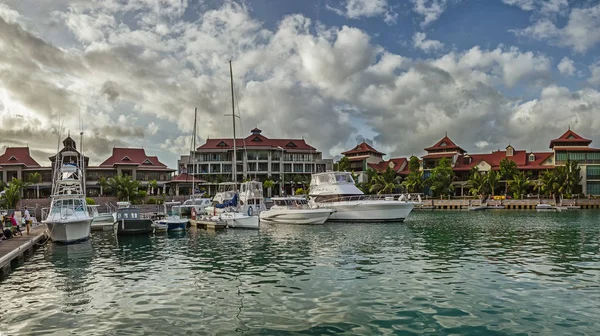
{"x": 440, "y": 273}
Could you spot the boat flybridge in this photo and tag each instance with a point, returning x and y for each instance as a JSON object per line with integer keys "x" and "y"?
{"x": 337, "y": 191}
{"x": 68, "y": 220}
{"x": 294, "y": 210}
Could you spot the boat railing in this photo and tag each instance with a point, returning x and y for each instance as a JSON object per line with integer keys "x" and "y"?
{"x": 415, "y": 198}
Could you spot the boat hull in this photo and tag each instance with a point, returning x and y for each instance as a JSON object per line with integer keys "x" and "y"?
{"x": 240, "y": 221}
{"x": 133, "y": 226}
{"x": 180, "y": 226}
{"x": 103, "y": 223}
{"x": 368, "y": 211}
{"x": 69, "y": 232}
{"x": 298, "y": 217}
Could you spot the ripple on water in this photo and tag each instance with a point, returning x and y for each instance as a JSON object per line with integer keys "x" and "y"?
{"x": 440, "y": 273}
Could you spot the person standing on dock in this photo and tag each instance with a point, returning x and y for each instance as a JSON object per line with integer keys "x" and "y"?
{"x": 27, "y": 220}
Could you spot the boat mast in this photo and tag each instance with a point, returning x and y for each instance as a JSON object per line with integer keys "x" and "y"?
{"x": 192, "y": 154}
{"x": 234, "y": 166}
{"x": 81, "y": 157}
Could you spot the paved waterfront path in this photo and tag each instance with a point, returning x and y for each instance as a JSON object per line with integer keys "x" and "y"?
{"x": 19, "y": 246}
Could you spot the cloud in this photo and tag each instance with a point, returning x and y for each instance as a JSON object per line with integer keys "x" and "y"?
{"x": 329, "y": 84}
{"x": 431, "y": 10}
{"x": 581, "y": 32}
{"x": 543, "y": 7}
{"x": 595, "y": 74}
{"x": 420, "y": 42}
{"x": 566, "y": 66}
{"x": 8, "y": 14}
{"x": 356, "y": 9}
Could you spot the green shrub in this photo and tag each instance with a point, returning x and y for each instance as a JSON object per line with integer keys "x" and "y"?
{"x": 90, "y": 201}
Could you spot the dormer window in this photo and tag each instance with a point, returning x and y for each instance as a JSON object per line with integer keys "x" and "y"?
{"x": 126, "y": 158}
{"x": 531, "y": 157}
{"x": 12, "y": 158}
{"x": 443, "y": 144}
{"x": 291, "y": 144}
{"x": 147, "y": 162}
{"x": 256, "y": 139}
{"x": 571, "y": 137}
{"x": 510, "y": 151}
{"x": 222, "y": 144}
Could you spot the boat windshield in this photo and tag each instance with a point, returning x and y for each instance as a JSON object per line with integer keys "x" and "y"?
{"x": 343, "y": 178}
{"x": 74, "y": 204}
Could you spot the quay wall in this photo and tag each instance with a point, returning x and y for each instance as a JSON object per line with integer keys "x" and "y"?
{"x": 456, "y": 204}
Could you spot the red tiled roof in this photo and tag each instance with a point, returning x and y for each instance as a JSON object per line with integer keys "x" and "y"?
{"x": 362, "y": 147}
{"x": 398, "y": 162}
{"x": 570, "y": 137}
{"x": 445, "y": 143}
{"x": 18, "y": 156}
{"x": 185, "y": 177}
{"x": 520, "y": 157}
{"x": 256, "y": 140}
{"x": 132, "y": 156}
{"x": 438, "y": 155}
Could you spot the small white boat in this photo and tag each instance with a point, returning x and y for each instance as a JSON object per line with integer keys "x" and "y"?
{"x": 294, "y": 210}
{"x": 172, "y": 219}
{"x": 101, "y": 221}
{"x": 160, "y": 227}
{"x": 545, "y": 207}
{"x": 478, "y": 207}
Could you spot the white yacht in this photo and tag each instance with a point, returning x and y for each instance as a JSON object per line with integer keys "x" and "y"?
{"x": 337, "y": 191}
{"x": 195, "y": 207}
{"x": 294, "y": 210}
{"x": 68, "y": 220}
{"x": 101, "y": 221}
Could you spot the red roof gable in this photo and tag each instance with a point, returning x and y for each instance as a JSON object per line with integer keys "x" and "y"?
{"x": 363, "y": 147}
{"x": 133, "y": 156}
{"x": 571, "y": 138}
{"x": 398, "y": 162}
{"x": 18, "y": 156}
{"x": 445, "y": 143}
{"x": 257, "y": 140}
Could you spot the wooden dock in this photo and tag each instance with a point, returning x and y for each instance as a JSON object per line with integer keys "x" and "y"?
{"x": 210, "y": 225}
{"x": 20, "y": 247}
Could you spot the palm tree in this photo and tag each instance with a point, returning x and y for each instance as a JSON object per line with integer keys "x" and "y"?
{"x": 519, "y": 184}
{"x": 547, "y": 183}
{"x": 124, "y": 188}
{"x": 440, "y": 180}
{"x": 414, "y": 182}
{"x": 268, "y": 184}
{"x": 35, "y": 179}
{"x": 492, "y": 179}
{"x": 12, "y": 195}
{"x": 508, "y": 168}
{"x": 153, "y": 186}
{"x": 103, "y": 183}
{"x": 386, "y": 182}
{"x": 477, "y": 182}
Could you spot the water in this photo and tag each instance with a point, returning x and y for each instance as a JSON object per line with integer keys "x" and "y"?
{"x": 440, "y": 273}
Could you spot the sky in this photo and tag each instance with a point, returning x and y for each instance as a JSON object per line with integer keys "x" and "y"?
{"x": 398, "y": 74}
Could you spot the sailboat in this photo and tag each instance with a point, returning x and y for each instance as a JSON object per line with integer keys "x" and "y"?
{"x": 68, "y": 220}
{"x": 229, "y": 210}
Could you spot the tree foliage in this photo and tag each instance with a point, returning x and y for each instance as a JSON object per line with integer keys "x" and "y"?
{"x": 12, "y": 194}
{"x": 477, "y": 182}
{"x": 415, "y": 181}
{"x": 342, "y": 165}
{"x": 492, "y": 179}
{"x": 386, "y": 182}
{"x": 125, "y": 189}
{"x": 268, "y": 184}
{"x": 440, "y": 181}
{"x": 561, "y": 181}
{"x": 519, "y": 184}
{"x": 508, "y": 168}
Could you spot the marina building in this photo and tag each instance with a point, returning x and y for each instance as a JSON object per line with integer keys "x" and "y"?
{"x": 569, "y": 145}
{"x": 258, "y": 157}
{"x": 16, "y": 162}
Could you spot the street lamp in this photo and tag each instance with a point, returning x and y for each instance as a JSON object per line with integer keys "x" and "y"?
{"x": 282, "y": 172}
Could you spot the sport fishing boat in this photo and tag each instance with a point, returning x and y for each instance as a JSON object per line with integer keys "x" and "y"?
{"x": 337, "y": 191}
{"x": 68, "y": 220}
{"x": 294, "y": 210}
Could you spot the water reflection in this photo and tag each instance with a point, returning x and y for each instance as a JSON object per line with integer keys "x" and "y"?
{"x": 492, "y": 273}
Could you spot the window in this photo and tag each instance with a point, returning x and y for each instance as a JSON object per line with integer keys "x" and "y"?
{"x": 593, "y": 172}
{"x": 12, "y": 158}
{"x": 251, "y": 166}
{"x": 275, "y": 167}
{"x": 126, "y": 158}
{"x": 222, "y": 144}
{"x": 291, "y": 144}
{"x": 147, "y": 162}
{"x": 227, "y": 168}
{"x": 443, "y": 144}
{"x": 593, "y": 188}
{"x": 531, "y": 157}
{"x": 287, "y": 167}
{"x": 298, "y": 168}
{"x": 308, "y": 168}
{"x": 215, "y": 168}
{"x": 263, "y": 167}
{"x": 256, "y": 139}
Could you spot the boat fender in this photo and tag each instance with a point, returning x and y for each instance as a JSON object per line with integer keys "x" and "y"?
{"x": 193, "y": 213}
{"x": 250, "y": 211}
{"x": 214, "y": 211}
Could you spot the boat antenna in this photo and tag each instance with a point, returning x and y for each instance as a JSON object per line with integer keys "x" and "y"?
{"x": 234, "y": 166}
{"x": 192, "y": 151}
{"x": 81, "y": 156}
{"x": 239, "y": 115}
